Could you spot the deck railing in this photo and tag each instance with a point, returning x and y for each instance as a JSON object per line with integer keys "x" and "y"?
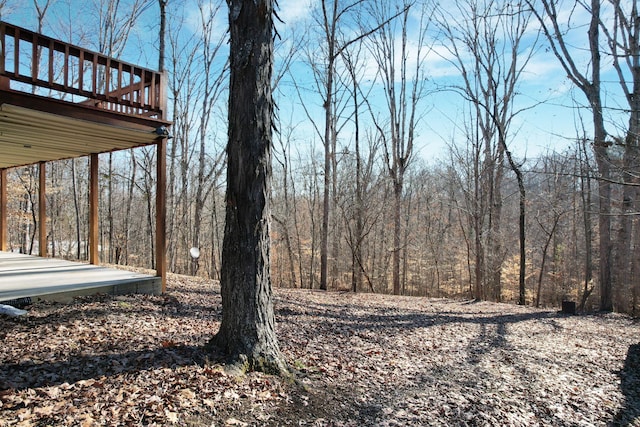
{"x": 36, "y": 61}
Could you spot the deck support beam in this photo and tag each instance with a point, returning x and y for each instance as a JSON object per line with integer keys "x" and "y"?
{"x": 42, "y": 209}
{"x": 93, "y": 211}
{"x": 3, "y": 210}
{"x": 161, "y": 211}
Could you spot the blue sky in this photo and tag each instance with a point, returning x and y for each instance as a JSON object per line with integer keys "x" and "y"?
{"x": 544, "y": 127}
{"x": 534, "y": 131}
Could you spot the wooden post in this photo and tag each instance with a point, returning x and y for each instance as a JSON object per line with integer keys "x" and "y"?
{"x": 161, "y": 211}
{"x": 3, "y": 210}
{"x": 42, "y": 209}
{"x": 93, "y": 211}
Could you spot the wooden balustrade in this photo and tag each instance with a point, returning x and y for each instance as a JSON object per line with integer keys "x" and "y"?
{"x": 63, "y": 70}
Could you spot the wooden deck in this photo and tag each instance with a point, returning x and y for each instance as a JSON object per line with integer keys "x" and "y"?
{"x": 49, "y": 279}
{"x": 61, "y": 101}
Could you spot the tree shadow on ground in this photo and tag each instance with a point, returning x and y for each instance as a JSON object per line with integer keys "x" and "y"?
{"x": 490, "y": 340}
{"x": 73, "y": 368}
{"x": 630, "y": 386}
{"x": 174, "y": 305}
{"x": 45, "y": 371}
{"x": 391, "y": 319}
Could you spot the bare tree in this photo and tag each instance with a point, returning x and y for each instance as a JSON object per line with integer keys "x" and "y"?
{"x": 41, "y": 10}
{"x": 590, "y": 85}
{"x": 197, "y": 73}
{"x": 550, "y": 210}
{"x": 115, "y": 21}
{"x": 622, "y": 34}
{"x": 486, "y": 38}
{"x": 584, "y": 169}
{"x": 162, "y": 4}
{"x": 288, "y": 216}
{"x": 401, "y": 62}
{"x": 213, "y": 86}
{"x": 357, "y": 207}
{"x": 332, "y": 17}
{"x": 247, "y": 332}
{"x": 284, "y": 195}
{"x": 183, "y": 89}
{"x": 332, "y": 21}
{"x": 28, "y": 223}
{"x": 4, "y": 9}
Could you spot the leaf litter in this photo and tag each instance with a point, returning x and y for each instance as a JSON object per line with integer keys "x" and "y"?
{"x": 359, "y": 359}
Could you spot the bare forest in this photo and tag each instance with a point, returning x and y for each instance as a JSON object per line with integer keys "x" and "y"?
{"x": 361, "y": 199}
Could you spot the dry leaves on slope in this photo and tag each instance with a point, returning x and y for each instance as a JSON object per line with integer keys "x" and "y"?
{"x": 361, "y": 360}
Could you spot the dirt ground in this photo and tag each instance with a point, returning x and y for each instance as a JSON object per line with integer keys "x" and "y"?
{"x": 361, "y": 360}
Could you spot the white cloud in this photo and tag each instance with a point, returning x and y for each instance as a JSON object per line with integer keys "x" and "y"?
{"x": 542, "y": 65}
{"x": 216, "y": 11}
{"x": 439, "y": 62}
{"x": 294, "y": 11}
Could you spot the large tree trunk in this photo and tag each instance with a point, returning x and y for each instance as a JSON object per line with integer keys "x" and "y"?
{"x": 324, "y": 243}
{"x": 590, "y": 86}
{"x": 247, "y": 332}
{"x": 397, "y": 231}
{"x": 633, "y": 142}
{"x": 593, "y": 94}
{"x": 161, "y": 36}
{"x": 624, "y": 43}
{"x": 585, "y": 192}
{"x": 356, "y": 264}
{"x": 493, "y": 187}
{"x": 604, "y": 227}
{"x": 477, "y": 214}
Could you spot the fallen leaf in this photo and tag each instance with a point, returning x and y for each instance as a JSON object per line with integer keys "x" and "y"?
{"x": 172, "y": 417}
{"x": 235, "y": 422}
